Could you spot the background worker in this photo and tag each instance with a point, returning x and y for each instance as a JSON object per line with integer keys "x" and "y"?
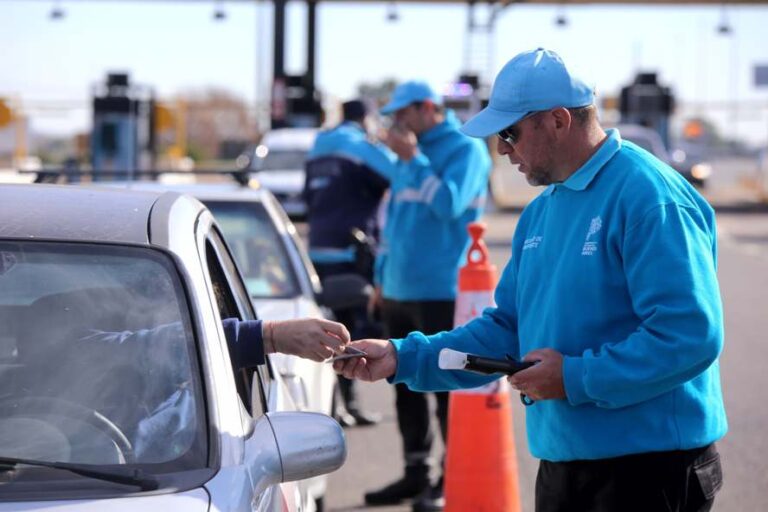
{"x": 346, "y": 177}
{"x": 438, "y": 188}
{"x": 612, "y": 288}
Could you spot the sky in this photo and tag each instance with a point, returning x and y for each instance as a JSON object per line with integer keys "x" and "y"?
{"x": 52, "y": 66}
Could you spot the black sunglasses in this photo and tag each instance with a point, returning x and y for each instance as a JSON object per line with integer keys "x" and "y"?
{"x": 511, "y": 134}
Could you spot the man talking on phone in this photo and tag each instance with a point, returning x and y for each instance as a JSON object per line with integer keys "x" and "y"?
{"x": 438, "y": 187}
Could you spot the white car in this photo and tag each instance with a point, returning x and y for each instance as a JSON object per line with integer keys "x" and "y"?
{"x": 279, "y": 161}
{"x": 119, "y": 390}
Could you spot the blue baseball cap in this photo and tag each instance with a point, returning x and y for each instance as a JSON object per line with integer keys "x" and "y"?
{"x": 410, "y": 92}
{"x": 532, "y": 81}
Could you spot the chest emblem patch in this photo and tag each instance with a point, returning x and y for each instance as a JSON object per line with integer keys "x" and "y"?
{"x": 532, "y": 242}
{"x": 590, "y": 246}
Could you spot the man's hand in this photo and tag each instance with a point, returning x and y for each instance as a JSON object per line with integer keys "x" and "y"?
{"x": 403, "y": 142}
{"x": 544, "y": 380}
{"x": 312, "y": 338}
{"x": 379, "y": 363}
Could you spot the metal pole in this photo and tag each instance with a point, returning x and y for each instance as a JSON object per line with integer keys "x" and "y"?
{"x": 311, "y": 41}
{"x": 278, "y": 103}
{"x": 279, "y": 60}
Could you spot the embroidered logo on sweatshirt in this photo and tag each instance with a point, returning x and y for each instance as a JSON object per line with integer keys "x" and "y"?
{"x": 590, "y": 247}
{"x": 531, "y": 243}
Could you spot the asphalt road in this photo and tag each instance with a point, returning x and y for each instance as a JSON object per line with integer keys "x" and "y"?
{"x": 375, "y": 452}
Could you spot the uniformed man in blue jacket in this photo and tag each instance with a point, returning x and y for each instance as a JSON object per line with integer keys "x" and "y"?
{"x": 438, "y": 188}
{"x": 347, "y": 174}
{"x": 612, "y": 289}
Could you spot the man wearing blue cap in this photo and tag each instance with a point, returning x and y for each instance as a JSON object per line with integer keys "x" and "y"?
{"x": 612, "y": 290}
{"x": 439, "y": 186}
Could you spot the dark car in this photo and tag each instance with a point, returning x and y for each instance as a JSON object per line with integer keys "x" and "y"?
{"x": 648, "y": 139}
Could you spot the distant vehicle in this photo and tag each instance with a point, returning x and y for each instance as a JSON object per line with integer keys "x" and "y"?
{"x": 279, "y": 160}
{"x": 119, "y": 391}
{"x": 649, "y": 140}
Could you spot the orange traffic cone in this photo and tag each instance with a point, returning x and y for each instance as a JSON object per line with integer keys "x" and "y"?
{"x": 481, "y": 462}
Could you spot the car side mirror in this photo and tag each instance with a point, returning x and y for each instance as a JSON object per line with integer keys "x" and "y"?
{"x": 291, "y": 446}
{"x": 310, "y": 444}
{"x": 345, "y": 291}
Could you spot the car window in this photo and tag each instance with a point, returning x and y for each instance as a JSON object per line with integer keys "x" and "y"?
{"x": 233, "y": 302}
{"x": 98, "y": 361}
{"x": 258, "y": 248}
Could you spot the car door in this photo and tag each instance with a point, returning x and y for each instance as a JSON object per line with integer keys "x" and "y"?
{"x": 258, "y": 390}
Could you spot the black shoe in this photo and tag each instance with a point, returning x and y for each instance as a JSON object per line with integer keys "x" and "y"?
{"x": 407, "y": 487}
{"x": 431, "y": 500}
{"x": 364, "y": 419}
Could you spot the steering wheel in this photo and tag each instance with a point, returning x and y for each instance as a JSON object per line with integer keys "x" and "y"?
{"x": 50, "y": 406}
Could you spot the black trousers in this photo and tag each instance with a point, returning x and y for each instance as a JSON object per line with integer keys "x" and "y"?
{"x": 429, "y": 317}
{"x": 674, "y": 481}
{"x": 357, "y": 323}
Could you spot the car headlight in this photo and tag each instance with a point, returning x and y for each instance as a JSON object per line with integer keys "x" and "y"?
{"x": 701, "y": 171}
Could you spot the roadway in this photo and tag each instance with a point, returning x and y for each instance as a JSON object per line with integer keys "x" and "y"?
{"x": 375, "y": 452}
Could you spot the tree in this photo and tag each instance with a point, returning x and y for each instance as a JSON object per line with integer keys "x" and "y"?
{"x": 216, "y": 116}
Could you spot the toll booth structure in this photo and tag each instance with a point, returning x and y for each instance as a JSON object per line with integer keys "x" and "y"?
{"x": 648, "y": 103}
{"x": 123, "y": 137}
{"x": 296, "y": 102}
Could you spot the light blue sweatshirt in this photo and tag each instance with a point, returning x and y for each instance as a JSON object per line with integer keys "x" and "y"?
{"x": 432, "y": 199}
{"x": 616, "y": 269}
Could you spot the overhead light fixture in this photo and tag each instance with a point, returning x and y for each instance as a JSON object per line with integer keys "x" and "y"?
{"x": 393, "y": 14}
{"x": 561, "y": 20}
{"x": 57, "y": 12}
{"x": 724, "y": 27}
{"x": 219, "y": 14}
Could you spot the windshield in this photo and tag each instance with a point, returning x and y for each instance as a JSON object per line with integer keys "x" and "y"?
{"x": 258, "y": 249}
{"x": 281, "y": 160}
{"x": 97, "y": 359}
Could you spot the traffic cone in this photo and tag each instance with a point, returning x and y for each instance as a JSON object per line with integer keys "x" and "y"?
{"x": 481, "y": 462}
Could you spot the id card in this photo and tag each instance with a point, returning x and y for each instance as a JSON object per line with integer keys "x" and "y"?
{"x": 348, "y": 353}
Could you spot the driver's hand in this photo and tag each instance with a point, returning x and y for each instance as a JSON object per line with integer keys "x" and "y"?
{"x": 311, "y": 338}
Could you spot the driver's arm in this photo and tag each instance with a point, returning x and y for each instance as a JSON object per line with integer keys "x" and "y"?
{"x": 245, "y": 342}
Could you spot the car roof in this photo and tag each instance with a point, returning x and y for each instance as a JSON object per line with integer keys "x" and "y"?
{"x": 88, "y": 214}
{"x": 218, "y": 191}
{"x": 290, "y": 138}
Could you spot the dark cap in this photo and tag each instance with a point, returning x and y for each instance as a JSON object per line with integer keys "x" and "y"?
{"x": 354, "y": 110}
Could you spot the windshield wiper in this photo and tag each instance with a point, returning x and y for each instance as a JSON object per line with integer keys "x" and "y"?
{"x": 118, "y": 475}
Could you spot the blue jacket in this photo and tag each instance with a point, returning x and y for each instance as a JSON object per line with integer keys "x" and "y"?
{"x": 346, "y": 177}
{"x": 432, "y": 199}
{"x": 616, "y": 269}
{"x": 246, "y": 345}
